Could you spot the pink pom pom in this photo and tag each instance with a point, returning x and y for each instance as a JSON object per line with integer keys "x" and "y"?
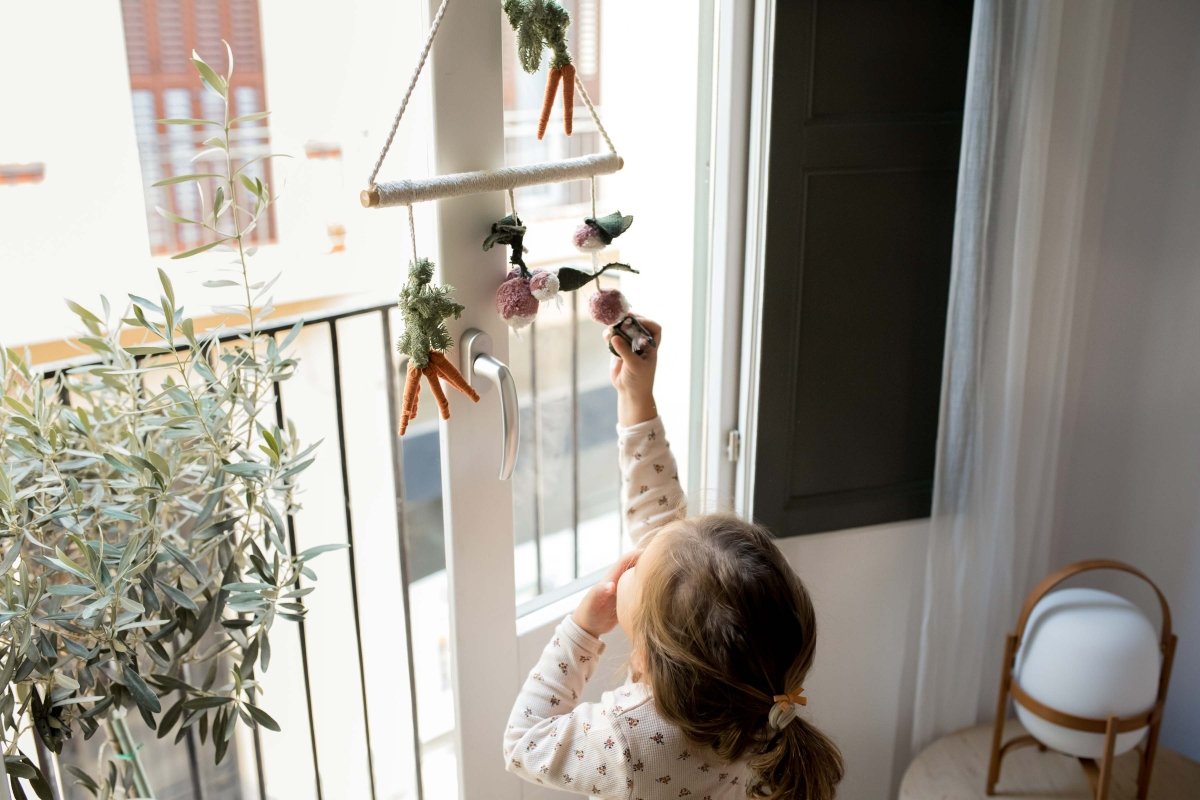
{"x": 544, "y": 285}
{"x": 608, "y": 306}
{"x": 515, "y": 303}
{"x": 512, "y": 273}
{"x": 588, "y": 237}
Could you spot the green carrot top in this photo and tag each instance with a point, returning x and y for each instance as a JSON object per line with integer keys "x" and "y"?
{"x": 425, "y": 308}
{"x": 539, "y": 23}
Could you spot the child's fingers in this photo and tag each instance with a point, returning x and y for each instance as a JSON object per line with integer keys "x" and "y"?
{"x": 652, "y": 326}
{"x": 621, "y": 346}
{"x": 626, "y": 561}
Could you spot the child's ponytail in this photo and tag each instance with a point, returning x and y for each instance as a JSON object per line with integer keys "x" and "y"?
{"x": 798, "y": 763}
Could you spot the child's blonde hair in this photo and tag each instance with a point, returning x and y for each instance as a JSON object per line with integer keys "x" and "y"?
{"x": 725, "y": 625}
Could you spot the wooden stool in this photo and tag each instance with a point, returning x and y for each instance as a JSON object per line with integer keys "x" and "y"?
{"x": 955, "y": 767}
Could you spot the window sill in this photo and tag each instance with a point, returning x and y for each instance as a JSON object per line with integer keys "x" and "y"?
{"x": 549, "y": 607}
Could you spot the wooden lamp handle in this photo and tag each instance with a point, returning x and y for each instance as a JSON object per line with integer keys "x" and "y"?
{"x": 1071, "y": 570}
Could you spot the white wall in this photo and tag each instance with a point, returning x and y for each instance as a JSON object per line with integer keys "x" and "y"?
{"x": 1131, "y": 465}
{"x": 86, "y": 219}
{"x": 865, "y": 584}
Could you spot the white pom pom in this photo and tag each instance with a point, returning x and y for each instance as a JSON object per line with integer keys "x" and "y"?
{"x": 544, "y": 288}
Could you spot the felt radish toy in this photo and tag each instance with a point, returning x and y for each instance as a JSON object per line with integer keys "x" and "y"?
{"x": 516, "y": 302}
{"x": 538, "y": 24}
{"x": 609, "y": 307}
{"x": 424, "y": 308}
{"x": 597, "y": 233}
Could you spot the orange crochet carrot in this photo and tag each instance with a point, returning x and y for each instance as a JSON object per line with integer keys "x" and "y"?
{"x": 568, "y": 79}
{"x": 412, "y": 391}
{"x": 451, "y": 375}
{"x": 431, "y": 375}
{"x": 548, "y": 99}
{"x": 425, "y": 308}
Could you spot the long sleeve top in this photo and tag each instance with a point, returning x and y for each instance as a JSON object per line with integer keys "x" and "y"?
{"x": 619, "y": 747}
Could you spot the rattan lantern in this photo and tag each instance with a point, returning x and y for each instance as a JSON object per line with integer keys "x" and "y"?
{"x": 1088, "y": 676}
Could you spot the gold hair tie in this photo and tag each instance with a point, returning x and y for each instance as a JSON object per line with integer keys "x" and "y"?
{"x": 785, "y": 708}
{"x": 797, "y": 697}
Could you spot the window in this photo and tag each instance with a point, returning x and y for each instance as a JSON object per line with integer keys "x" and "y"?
{"x": 565, "y": 488}
{"x": 159, "y": 39}
{"x": 13, "y": 174}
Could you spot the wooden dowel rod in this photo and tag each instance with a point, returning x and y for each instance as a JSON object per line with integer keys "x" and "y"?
{"x": 407, "y": 192}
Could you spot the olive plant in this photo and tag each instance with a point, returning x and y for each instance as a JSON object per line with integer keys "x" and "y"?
{"x": 144, "y": 505}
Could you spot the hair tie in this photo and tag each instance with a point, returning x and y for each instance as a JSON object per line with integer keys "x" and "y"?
{"x": 786, "y": 708}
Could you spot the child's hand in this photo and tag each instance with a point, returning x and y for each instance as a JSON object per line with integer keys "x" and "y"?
{"x": 633, "y": 376}
{"x": 597, "y": 612}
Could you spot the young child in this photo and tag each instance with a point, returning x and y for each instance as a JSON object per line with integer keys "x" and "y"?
{"x": 723, "y": 634}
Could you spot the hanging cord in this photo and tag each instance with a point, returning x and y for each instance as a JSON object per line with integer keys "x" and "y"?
{"x": 512, "y": 203}
{"x": 412, "y": 84}
{"x": 587, "y": 101}
{"x": 595, "y": 255}
{"x": 412, "y": 233}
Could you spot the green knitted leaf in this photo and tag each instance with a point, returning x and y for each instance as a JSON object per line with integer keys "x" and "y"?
{"x": 612, "y": 225}
{"x": 424, "y": 309}
{"x": 571, "y": 279}
{"x": 538, "y": 24}
{"x": 505, "y": 231}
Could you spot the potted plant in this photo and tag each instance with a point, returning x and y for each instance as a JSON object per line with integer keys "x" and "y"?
{"x": 144, "y": 548}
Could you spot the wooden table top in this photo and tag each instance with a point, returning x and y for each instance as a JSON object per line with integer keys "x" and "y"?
{"x": 955, "y": 768}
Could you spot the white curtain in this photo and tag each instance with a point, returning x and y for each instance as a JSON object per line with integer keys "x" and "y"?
{"x": 1031, "y": 176}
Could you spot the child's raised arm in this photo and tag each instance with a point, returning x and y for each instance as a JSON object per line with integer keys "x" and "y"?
{"x": 651, "y": 495}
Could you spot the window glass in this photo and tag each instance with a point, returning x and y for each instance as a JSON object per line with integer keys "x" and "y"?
{"x": 566, "y": 487}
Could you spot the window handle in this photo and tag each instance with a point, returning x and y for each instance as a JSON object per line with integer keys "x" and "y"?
{"x": 479, "y": 362}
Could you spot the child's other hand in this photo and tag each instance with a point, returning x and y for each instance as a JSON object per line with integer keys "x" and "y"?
{"x": 597, "y": 612}
{"x": 633, "y": 376}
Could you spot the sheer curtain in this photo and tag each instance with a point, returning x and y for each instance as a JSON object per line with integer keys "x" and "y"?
{"x": 1030, "y": 178}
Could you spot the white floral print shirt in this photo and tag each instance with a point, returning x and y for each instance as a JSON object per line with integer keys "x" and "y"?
{"x": 619, "y": 747}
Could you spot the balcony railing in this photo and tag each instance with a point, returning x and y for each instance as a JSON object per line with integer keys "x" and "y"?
{"x": 344, "y": 682}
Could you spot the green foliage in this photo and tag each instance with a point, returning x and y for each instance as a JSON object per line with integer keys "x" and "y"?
{"x": 144, "y": 555}
{"x": 539, "y": 23}
{"x": 425, "y": 308}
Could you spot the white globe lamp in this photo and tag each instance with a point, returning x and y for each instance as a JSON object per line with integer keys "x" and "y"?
{"x": 1088, "y": 675}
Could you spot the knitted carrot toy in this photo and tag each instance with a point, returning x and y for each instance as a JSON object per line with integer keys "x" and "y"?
{"x": 425, "y": 308}
{"x": 538, "y": 24}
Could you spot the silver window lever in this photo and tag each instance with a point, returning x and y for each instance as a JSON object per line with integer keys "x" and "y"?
{"x": 476, "y": 347}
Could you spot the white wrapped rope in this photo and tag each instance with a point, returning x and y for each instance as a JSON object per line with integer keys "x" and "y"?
{"x": 419, "y": 190}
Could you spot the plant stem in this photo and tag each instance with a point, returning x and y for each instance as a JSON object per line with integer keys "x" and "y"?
{"x": 48, "y": 763}
{"x": 121, "y": 738}
{"x": 237, "y": 232}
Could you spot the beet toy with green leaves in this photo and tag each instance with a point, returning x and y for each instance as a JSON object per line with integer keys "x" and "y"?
{"x": 597, "y": 233}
